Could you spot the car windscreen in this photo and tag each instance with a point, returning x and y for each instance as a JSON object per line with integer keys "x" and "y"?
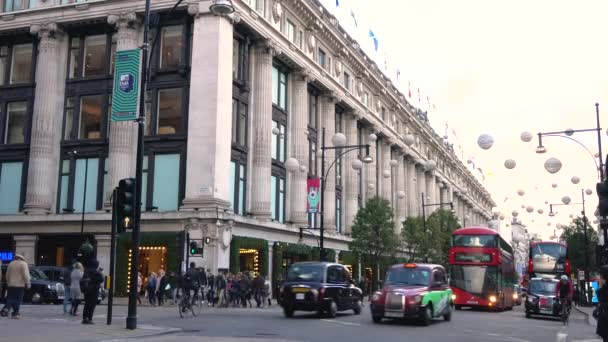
{"x": 311, "y": 273}
{"x": 476, "y": 280}
{"x": 38, "y": 274}
{"x": 408, "y": 276}
{"x": 542, "y": 286}
{"x": 474, "y": 241}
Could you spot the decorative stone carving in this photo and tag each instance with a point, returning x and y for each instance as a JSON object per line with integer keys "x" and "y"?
{"x": 277, "y": 11}
{"x": 312, "y": 41}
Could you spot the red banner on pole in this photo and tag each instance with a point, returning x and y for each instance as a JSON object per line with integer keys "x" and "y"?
{"x": 313, "y": 195}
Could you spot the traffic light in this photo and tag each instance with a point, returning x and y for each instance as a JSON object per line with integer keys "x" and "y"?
{"x": 602, "y": 193}
{"x": 195, "y": 249}
{"x": 125, "y": 204}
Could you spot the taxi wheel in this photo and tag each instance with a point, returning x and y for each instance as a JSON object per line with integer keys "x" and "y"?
{"x": 358, "y": 307}
{"x": 427, "y": 315}
{"x": 288, "y": 312}
{"x": 332, "y": 310}
{"x": 448, "y": 315}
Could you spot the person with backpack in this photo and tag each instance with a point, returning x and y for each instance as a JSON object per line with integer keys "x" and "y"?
{"x": 75, "y": 288}
{"x": 92, "y": 284}
{"x": 17, "y": 280}
{"x": 191, "y": 282}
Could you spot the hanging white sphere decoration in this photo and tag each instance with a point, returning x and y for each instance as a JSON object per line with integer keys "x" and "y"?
{"x": 292, "y": 165}
{"x": 540, "y": 211}
{"x": 526, "y": 137}
{"x": 588, "y": 192}
{"x": 571, "y": 216}
{"x": 575, "y": 180}
{"x": 546, "y": 202}
{"x": 338, "y": 140}
{"x": 548, "y": 223}
{"x": 371, "y": 186}
{"x": 430, "y": 165}
{"x": 485, "y": 141}
{"x": 566, "y": 200}
{"x": 357, "y": 164}
{"x": 386, "y": 173}
{"x": 401, "y": 194}
{"x": 554, "y": 185}
{"x": 394, "y": 162}
{"x": 372, "y": 137}
{"x": 409, "y": 139}
{"x": 521, "y": 192}
{"x": 502, "y": 217}
{"x": 303, "y": 168}
{"x": 553, "y": 165}
{"x": 529, "y": 209}
{"x": 510, "y": 164}
{"x": 514, "y": 213}
{"x": 507, "y": 224}
{"x": 558, "y": 226}
{"x": 523, "y": 206}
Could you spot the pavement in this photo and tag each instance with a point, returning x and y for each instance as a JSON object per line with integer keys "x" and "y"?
{"x": 156, "y": 324}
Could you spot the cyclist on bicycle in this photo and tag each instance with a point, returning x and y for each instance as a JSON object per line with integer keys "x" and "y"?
{"x": 191, "y": 281}
{"x": 564, "y": 290}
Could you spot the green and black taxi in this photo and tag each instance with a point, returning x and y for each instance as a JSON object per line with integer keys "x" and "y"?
{"x": 321, "y": 287}
{"x": 418, "y": 291}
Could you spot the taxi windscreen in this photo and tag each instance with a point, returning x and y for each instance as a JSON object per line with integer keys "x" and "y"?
{"x": 408, "y": 276}
{"x": 311, "y": 273}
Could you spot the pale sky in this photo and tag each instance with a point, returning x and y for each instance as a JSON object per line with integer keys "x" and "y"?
{"x": 501, "y": 68}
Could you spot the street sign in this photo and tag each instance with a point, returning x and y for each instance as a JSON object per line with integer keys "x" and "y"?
{"x": 313, "y": 196}
{"x": 125, "y": 95}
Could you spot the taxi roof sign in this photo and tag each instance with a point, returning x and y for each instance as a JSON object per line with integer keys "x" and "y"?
{"x": 410, "y": 265}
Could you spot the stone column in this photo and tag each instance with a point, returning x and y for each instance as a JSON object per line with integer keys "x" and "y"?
{"x": 351, "y": 183}
{"x": 429, "y": 195}
{"x": 387, "y": 189}
{"x": 412, "y": 195}
{"x": 400, "y": 203}
{"x": 371, "y": 188}
{"x": 262, "y": 131}
{"x": 103, "y": 251}
{"x": 123, "y": 134}
{"x": 328, "y": 116}
{"x": 26, "y": 246}
{"x": 420, "y": 186}
{"x": 210, "y": 119}
{"x": 270, "y": 275}
{"x": 47, "y": 119}
{"x": 299, "y": 148}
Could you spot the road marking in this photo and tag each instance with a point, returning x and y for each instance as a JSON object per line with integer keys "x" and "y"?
{"x": 340, "y": 322}
{"x": 508, "y": 338}
{"x": 562, "y": 335}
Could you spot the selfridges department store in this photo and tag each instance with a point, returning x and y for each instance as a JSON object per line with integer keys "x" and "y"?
{"x": 235, "y": 111}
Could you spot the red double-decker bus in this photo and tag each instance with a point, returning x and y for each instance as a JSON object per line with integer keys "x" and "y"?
{"x": 482, "y": 269}
{"x": 548, "y": 259}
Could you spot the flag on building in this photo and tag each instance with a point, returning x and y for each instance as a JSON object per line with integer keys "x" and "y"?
{"x": 374, "y": 39}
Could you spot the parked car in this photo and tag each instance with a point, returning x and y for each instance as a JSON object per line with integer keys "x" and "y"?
{"x": 323, "y": 287}
{"x": 43, "y": 290}
{"x": 56, "y": 274}
{"x": 418, "y": 291}
{"x": 541, "y": 297}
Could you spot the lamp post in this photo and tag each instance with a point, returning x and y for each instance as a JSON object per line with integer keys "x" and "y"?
{"x": 310, "y": 231}
{"x": 86, "y": 248}
{"x": 339, "y": 144}
{"x": 585, "y": 222}
{"x": 424, "y": 205}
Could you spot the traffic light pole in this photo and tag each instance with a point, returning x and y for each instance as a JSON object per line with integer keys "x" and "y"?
{"x": 132, "y": 311}
{"x": 188, "y": 251}
{"x": 112, "y": 257}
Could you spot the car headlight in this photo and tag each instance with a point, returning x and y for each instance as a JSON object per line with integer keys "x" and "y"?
{"x": 530, "y": 299}
{"x": 48, "y": 286}
{"x": 314, "y": 292}
{"x": 515, "y": 296}
{"x": 417, "y": 299}
{"x": 492, "y": 299}
{"x": 453, "y": 297}
{"x": 376, "y": 296}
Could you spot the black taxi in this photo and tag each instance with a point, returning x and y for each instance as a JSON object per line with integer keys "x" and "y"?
{"x": 321, "y": 287}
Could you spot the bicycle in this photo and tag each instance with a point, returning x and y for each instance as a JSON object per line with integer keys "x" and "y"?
{"x": 195, "y": 304}
{"x": 564, "y": 311}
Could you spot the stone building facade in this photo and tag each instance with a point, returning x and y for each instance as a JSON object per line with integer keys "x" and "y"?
{"x": 231, "y": 103}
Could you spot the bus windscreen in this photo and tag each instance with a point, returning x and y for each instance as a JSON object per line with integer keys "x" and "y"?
{"x": 548, "y": 257}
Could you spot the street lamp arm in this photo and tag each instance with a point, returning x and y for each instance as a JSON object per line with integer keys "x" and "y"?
{"x": 570, "y": 131}
{"x": 349, "y": 149}
{"x": 558, "y": 135}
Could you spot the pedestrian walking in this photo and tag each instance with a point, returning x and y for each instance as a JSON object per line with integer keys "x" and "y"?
{"x": 75, "y": 290}
{"x": 173, "y": 286}
{"x": 67, "y": 283}
{"x": 151, "y": 289}
{"x": 161, "y": 284}
{"x": 17, "y": 280}
{"x": 95, "y": 279}
{"x": 266, "y": 292}
{"x": 221, "y": 289}
{"x": 140, "y": 290}
{"x": 211, "y": 290}
{"x": 258, "y": 286}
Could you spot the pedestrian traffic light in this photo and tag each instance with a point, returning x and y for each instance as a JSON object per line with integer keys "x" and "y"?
{"x": 194, "y": 248}
{"x": 602, "y": 193}
{"x": 125, "y": 204}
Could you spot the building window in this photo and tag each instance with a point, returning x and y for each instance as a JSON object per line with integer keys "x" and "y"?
{"x": 240, "y": 60}
{"x": 171, "y": 47}
{"x": 239, "y": 123}
{"x": 339, "y": 212}
{"x": 18, "y": 5}
{"x": 346, "y": 81}
{"x": 11, "y": 175}
{"x": 166, "y": 182}
{"x": 78, "y": 175}
{"x": 383, "y": 111}
{"x": 89, "y": 56}
{"x": 258, "y": 5}
{"x": 313, "y": 110}
{"x": 170, "y": 111}
{"x": 277, "y": 198}
{"x": 300, "y": 39}
{"x": 237, "y": 187}
{"x": 84, "y": 117}
{"x": 291, "y": 31}
{"x": 279, "y": 88}
{"x": 14, "y": 122}
{"x": 322, "y": 58}
{"x": 16, "y": 63}
{"x": 365, "y": 99}
{"x": 279, "y": 146}
{"x": 312, "y": 157}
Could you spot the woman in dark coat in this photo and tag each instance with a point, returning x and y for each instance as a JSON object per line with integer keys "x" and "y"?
{"x": 602, "y": 308}
{"x": 92, "y": 292}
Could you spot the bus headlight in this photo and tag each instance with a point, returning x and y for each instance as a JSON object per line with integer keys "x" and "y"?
{"x": 453, "y": 297}
{"x": 492, "y": 299}
{"x": 515, "y": 296}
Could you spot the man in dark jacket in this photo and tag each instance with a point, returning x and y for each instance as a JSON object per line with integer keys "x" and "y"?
{"x": 95, "y": 279}
{"x": 67, "y": 282}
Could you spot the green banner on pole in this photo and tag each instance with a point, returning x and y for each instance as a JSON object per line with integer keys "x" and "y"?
{"x": 125, "y": 96}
